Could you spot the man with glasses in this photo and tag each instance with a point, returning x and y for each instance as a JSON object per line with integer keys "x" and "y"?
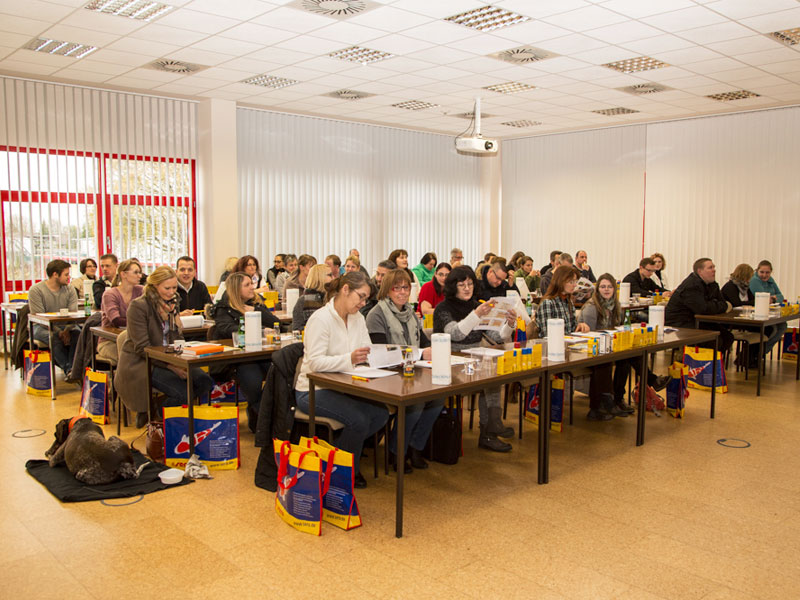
{"x": 495, "y": 281}
{"x": 456, "y": 257}
{"x": 640, "y": 278}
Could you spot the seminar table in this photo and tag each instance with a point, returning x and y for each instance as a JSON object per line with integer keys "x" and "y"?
{"x": 51, "y": 320}
{"x": 735, "y": 319}
{"x": 112, "y": 333}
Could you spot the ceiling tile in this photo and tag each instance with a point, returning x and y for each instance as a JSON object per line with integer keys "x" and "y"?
{"x": 69, "y": 33}
{"x": 250, "y": 65}
{"x": 442, "y": 73}
{"x": 716, "y": 33}
{"x": 221, "y": 95}
{"x": 583, "y": 19}
{"x": 42, "y": 58}
{"x": 441, "y": 8}
{"x": 226, "y": 46}
{"x": 666, "y": 74}
{"x": 768, "y": 56}
{"x": 607, "y": 54}
{"x": 714, "y": 65}
{"x": 36, "y": 9}
{"x": 196, "y": 21}
{"x": 531, "y": 32}
{"x": 123, "y": 58}
{"x": 21, "y": 25}
{"x": 388, "y": 18}
{"x": 752, "y": 43}
{"x": 787, "y": 66}
{"x": 661, "y": 43}
{"x": 404, "y": 65}
{"x": 686, "y": 55}
{"x": 226, "y": 74}
{"x": 292, "y": 19}
{"x": 297, "y": 73}
{"x": 741, "y": 9}
{"x": 736, "y": 75}
{"x": 179, "y": 88}
{"x": 483, "y": 44}
{"x": 14, "y": 40}
{"x": 157, "y": 76}
{"x": 442, "y": 55}
{"x": 348, "y": 34}
{"x": 623, "y": 32}
{"x": 169, "y": 35}
{"x": 477, "y": 64}
{"x": 15, "y": 66}
{"x": 83, "y": 75}
{"x": 589, "y": 73}
{"x": 200, "y": 57}
{"x": 102, "y": 22}
{"x": 687, "y": 18}
{"x": 280, "y": 56}
{"x": 637, "y": 9}
{"x": 257, "y": 34}
{"x": 310, "y": 44}
{"x": 541, "y": 8}
{"x": 91, "y": 64}
{"x": 145, "y": 48}
{"x": 399, "y": 44}
{"x": 441, "y": 32}
{"x": 240, "y": 9}
{"x": 560, "y": 64}
{"x": 134, "y": 82}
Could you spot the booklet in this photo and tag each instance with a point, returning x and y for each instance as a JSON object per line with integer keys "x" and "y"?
{"x": 388, "y": 355}
{"x": 494, "y": 319}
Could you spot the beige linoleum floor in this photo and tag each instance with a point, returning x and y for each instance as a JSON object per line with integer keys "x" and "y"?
{"x": 681, "y": 517}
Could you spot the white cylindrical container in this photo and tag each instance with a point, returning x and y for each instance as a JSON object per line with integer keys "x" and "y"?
{"x": 192, "y": 321}
{"x": 441, "y": 371}
{"x": 655, "y": 318}
{"x": 762, "y": 305}
{"x": 252, "y": 330}
{"x": 87, "y": 287}
{"x": 624, "y": 293}
{"x": 292, "y": 295}
{"x": 555, "y": 340}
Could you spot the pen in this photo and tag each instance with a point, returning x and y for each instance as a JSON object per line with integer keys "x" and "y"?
{"x": 357, "y": 378}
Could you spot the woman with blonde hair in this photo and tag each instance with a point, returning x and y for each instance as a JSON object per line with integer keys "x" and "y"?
{"x": 659, "y": 277}
{"x": 314, "y": 297}
{"x": 230, "y": 267}
{"x": 737, "y": 290}
{"x": 153, "y": 320}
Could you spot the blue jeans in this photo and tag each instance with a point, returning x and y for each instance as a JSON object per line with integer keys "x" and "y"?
{"x": 174, "y": 387}
{"x": 62, "y": 355}
{"x": 419, "y": 422}
{"x": 360, "y": 419}
{"x": 251, "y": 379}
{"x": 775, "y": 336}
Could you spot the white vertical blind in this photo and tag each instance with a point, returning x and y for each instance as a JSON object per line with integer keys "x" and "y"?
{"x": 577, "y": 191}
{"x": 318, "y": 186}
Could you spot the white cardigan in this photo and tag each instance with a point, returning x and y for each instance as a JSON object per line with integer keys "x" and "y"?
{"x": 328, "y": 343}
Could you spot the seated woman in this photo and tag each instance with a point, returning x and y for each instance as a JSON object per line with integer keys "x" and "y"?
{"x": 659, "y": 277}
{"x": 557, "y": 304}
{"x": 298, "y": 279}
{"x": 603, "y": 311}
{"x": 230, "y": 265}
{"x": 352, "y": 263}
{"x": 290, "y": 263}
{"x": 432, "y": 293}
{"x": 400, "y": 258}
{"x": 737, "y": 290}
{"x": 527, "y": 272}
{"x": 314, "y": 297}
{"x": 247, "y": 264}
{"x": 424, "y": 270}
{"x": 116, "y": 299}
{"x": 763, "y": 281}
{"x": 88, "y": 268}
{"x": 458, "y": 315}
{"x": 153, "y": 320}
{"x": 240, "y": 298}
{"x": 393, "y": 321}
{"x": 337, "y": 339}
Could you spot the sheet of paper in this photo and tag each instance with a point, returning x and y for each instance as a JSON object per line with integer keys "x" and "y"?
{"x": 494, "y": 319}
{"x": 369, "y": 373}
{"x": 388, "y": 355}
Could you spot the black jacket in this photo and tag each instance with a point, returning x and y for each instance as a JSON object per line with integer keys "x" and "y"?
{"x": 647, "y": 287}
{"x": 226, "y": 318}
{"x": 730, "y": 291}
{"x": 196, "y": 298}
{"x": 19, "y": 341}
{"x": 99, "y": 288}
{"x": 84, "y": 347}
{"x": 276, "y": 412}
{"x": 485, "y": 291}
{"x": 694, "y": 297}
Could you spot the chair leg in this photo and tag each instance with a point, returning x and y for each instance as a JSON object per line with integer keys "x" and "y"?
{"x": 507, "y": 389}
{"x": 385, "y": 449}
{"x": 471, "y": 410}
{"x": 375, "y": 442}
{"x": 571, "y": 395}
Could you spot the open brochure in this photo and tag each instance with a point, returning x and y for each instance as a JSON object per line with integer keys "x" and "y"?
{"x": 501, "y": 306}
{"x": 388, "y": 355}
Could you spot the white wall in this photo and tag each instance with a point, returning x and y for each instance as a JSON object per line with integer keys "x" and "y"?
{"x": 727, "y": 187}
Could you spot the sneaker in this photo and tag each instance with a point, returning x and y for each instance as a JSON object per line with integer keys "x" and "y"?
{"x": 596, "y": 415}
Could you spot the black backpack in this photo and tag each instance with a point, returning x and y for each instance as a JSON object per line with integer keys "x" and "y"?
{"x": 444, "y": 443}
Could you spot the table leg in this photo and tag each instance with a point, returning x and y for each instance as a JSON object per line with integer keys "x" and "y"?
{"x": 760, "y": 360}
{"x": 401, "y": 464}
{"x": 5, "y": 338}
{"x": 544, "y": 423}
{"x": 641, "y": 412}
{"x": 52, "y": 363}
{"x": 311, "y": 405}
{"x": 149, "y": 382}
{"x": 714, "y": 377}
{"x": 190, "y": 400}
{"x": 522, "y": 399}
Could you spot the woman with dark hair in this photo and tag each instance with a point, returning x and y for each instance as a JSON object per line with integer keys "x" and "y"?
{"x": 240, "y": 298}
{"x": 557, "y": 304}
{"x": 290, "y": 264}
{"x": 153, "y": 320}
{"x": 458, "y": 315}
{"x": 393, "y": 321}
{"x": 400, "y": 258}
{"x": 298, "y": 279}
{"x": 432, "y": 293}
{"x": 526, "y": 271}
{"x": 336, "y": 339}
{"x": 88, "y": 268}
{"x": 276, "y": 269}
{"x": 424, "y": 270}
{"x": 513, "y": 263}
{"x": 248, "y": 264}
{"x": 314, "y": 297}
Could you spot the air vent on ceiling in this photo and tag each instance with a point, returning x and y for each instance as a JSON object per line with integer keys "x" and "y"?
{"x": 487, "y": 18}
{"x": 471, "y": 115}
{"x": 70, "y": 49}
{"x": 642, "y": 89}
{"x": 790, "y": 37}
{"x": 175, "y": 66}
{"x": 635, "y": 65}
{"x": 522, "y": 123}
{"x": 619, "y": 110}
{"x": 523, "y": 54}
{"x": 348, "y": 95}
{"x": 270, "y": 81}
{"x": 512, "y": 87}
{"x": 737, "y": 95}
{"x": 335, "y": 9}
{"x": 143, "y": 10}
{"x": 414, "y": 105}
{"x": 360, "y": 55}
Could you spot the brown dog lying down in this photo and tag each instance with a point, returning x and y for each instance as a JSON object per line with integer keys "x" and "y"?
{"x": 89, "y": 456}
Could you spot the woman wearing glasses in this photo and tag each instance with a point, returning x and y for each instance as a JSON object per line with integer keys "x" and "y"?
{"x": 458, "y": 315}
{"x": 393, "y": 321}
{"x": 114, "y": 306}
{"x": 336, "y": 339}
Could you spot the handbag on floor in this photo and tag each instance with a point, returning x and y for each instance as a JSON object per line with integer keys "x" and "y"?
{"x": 298, "y": 500}
{"x": 94, "y": 396}
{"x": 789, "y": 350}
{"x": 652, "y": 401}
{"x": 444, "y": 444}
{"x": 699, "y": 360}
{"x": 677, "y": 390}
{"x": 556, "y": 404}
{"x": 37, "y": 372}
{"x": 339, "y": 506}
{"x": 216, "y": 436}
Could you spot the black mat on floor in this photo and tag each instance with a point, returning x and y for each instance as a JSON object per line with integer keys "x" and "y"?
{"x": 63, "y": 485}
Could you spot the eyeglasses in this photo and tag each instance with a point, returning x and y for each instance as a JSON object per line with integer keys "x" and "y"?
{"x": 401, "y": 288}
{"x": 250, "y": 264}
{"x": 465, "y": 285}
{"x": 362, "y": 297}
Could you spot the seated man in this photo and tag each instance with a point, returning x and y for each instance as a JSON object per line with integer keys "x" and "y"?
{"x": 561, "y": 258}
{"x": 552, "y": 265}
{"x": 640, "y": 279}
{"x": 375, "y": 284}
{"x": 194, "y": 294}
{"x": 456, "y": 257}
{"x": 108, "y": 267}
{"x": 334, "y": 264}
{"x": 51, "y": 295}
{"x": 699, "y": 294}
{"x": 762, "y": 281}
{"x": 495, "y": 280}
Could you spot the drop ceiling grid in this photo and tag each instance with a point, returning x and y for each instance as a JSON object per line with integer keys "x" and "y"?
{"x": 434, "y": 59}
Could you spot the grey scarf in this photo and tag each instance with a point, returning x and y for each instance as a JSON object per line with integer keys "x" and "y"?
{"x": 403, "y": 324}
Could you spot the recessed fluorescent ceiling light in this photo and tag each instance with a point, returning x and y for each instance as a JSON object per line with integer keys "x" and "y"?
{"x": 634, "y": 65}
{"x": 523, "y": 54}
{"x": 615, "y": 111}
{"x": 336, "y": 9}
{"x": 522, "y": 123}
{"x": 174, "y": 66}
{"x": 270, "y": 81}
{"x": 143, "y": 10}
{"x": 790, "y": 37}
{"x": 414, "y": 105}
{"x": 470, "y": 115}
{"x": 487, "y": 18}
{"x": 512, "y": 87}
{"x": 348, "y": 95}
{"x": 737, "y": 95}
{"x": 641, "y": 89}
{"x": 360, "y": 55}
{"x": 48, "y": 46}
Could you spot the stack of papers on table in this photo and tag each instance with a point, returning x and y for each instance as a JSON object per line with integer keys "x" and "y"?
{"x": 369, "y": 373}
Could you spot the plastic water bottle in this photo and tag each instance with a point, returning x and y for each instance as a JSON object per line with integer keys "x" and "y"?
{"x": 87, "y": 305}
{"x": 240, "y": 334}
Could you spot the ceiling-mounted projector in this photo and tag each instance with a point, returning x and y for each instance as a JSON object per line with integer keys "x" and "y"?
{"x": 474, "y": 142}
